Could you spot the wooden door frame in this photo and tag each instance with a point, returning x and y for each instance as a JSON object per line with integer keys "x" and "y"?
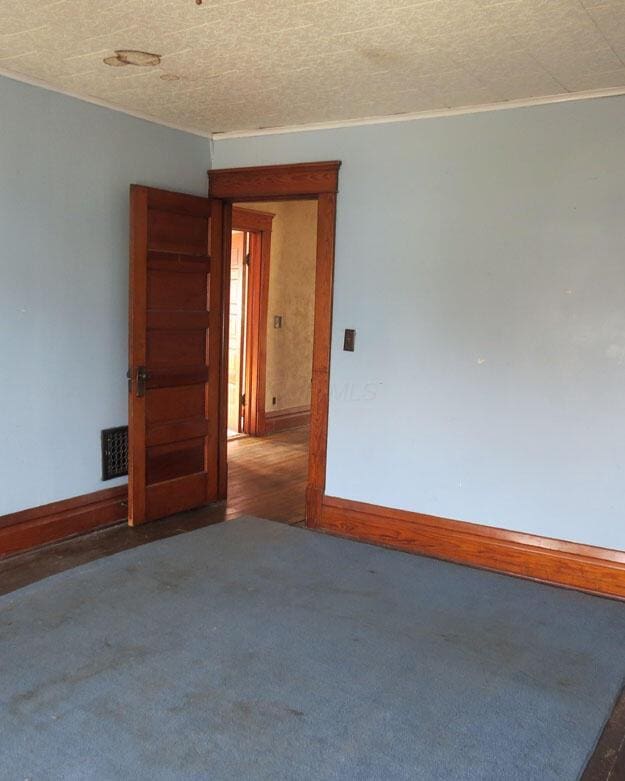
{"x": 316, "y": 181}
{"x": 259, "y": 225}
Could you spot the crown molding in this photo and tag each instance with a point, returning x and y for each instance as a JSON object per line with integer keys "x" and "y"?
{"x": 33, "y": 82}
{"x": 311, "y": 126}
{"x": 411, "y": 116}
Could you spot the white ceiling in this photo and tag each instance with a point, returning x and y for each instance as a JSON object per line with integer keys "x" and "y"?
{"x": 245, "y": 64}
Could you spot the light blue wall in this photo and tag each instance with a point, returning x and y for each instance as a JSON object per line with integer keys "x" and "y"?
{"x": 65, "y": 168}
{"x": 481, "y": 260}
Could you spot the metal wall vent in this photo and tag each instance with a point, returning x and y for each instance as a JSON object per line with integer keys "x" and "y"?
{"x": 114, "y": 452}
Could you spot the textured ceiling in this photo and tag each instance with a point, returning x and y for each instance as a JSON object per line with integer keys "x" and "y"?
{"x": 261, "y": 63}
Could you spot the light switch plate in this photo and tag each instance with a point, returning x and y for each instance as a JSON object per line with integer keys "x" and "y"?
{"x": 349, "y": 341}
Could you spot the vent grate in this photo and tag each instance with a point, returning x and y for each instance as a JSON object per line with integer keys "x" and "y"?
{"x": 114, "y": 452}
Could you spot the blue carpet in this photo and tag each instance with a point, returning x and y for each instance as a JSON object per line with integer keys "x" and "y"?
{"x": 252, "y": 650}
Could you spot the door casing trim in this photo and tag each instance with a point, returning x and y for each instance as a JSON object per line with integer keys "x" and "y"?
{"x": 317, "y": 181}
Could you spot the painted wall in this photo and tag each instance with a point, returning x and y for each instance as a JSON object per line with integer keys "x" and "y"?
{"x": 291, "y": 295}
{"x": 481, "y": 260}
{"x": 65, "y": 168}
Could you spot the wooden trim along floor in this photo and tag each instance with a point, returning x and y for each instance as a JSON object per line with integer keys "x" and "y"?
{"x": 569, "y": 564}
{"x": 281, "y": 420}
{"x": 56, "y": 521}
{"x": 267, "y": 479}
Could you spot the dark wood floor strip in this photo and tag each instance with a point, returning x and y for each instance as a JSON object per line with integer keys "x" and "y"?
{"x": 267, "y": 478}
{"x": 607, "y": 762}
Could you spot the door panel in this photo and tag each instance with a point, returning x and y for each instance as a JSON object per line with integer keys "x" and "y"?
{"x": 171, "y": 231}
{"x": 175, "y": 496}
{"x": 176, "y": 431}
{"x": 168, "y": 404}
{"x": 176, "y": 349}
{"x": 176, "y": 459}
{"x": 174, "y": 290}
{"x": 176, "y": 340}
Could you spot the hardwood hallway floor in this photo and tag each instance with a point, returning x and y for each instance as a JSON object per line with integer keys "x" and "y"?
{"x": 267, "y": 478}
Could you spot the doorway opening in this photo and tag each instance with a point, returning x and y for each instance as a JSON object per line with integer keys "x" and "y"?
{"x": 236, "y": 336}
{"x": 316, "y": 181}
{"x": 250, "y": 258}
{"x": 270, "y": 346}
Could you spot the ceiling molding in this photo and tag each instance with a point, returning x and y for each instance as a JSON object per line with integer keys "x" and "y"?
{"x": 411, "y": 116}
{"x": 102, "y": 103}
{"x": 312, "y": 126}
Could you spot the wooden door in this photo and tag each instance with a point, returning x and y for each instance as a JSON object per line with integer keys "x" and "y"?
{"x": 176, "y": 308}
{"x": 236, "y": 331}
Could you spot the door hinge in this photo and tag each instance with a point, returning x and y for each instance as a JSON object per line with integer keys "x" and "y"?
{"x": 243, "y": 399}
{"x": 248, "y": 257}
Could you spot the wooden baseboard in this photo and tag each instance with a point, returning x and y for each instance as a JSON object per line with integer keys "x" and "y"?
{"x": 569, "y": 564}
{"x": 281, "y": 420}
{"x": 56, "y": 521}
